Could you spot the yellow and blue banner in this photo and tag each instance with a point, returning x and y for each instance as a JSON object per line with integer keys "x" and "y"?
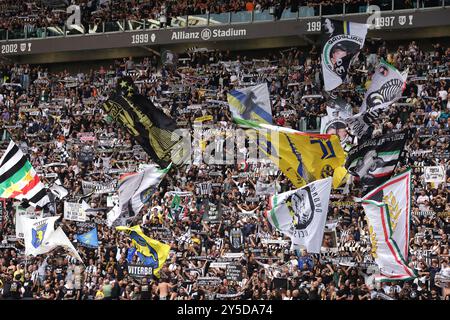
{"x": 151, "y": 252}
{"x": 302, "y": 157}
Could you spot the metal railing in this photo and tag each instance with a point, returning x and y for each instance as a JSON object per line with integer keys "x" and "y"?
{"x": 212, "y": 19}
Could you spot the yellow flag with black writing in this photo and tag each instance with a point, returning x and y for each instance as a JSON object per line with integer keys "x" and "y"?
{"x": 302, "y": 157}
{"x": 150, "y": 252}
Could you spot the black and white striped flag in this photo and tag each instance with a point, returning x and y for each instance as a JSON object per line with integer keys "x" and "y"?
{"x": 19, "y": 180}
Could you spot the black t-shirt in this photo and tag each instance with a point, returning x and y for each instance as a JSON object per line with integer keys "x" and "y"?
{"x": 59, "y": 273}
{"x": 15, "y": 289}
{"x": 46, "y": 294}
{"x": 342, "y": 292}
{"x": 314, "y": 294}
{"x": 120, "y": 269}
{"x": 145, "y": 292}
{"x": 425, "y": 294}
{"x": 61, "y": 293}
{"x": 7, "y": 289}
{"x": 28, "y": 286}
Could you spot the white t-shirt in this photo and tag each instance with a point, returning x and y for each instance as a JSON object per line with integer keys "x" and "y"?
{"x": 443, "y": 95}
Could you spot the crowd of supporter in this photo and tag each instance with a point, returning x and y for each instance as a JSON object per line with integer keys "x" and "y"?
{"x": 47, "y": 114}
{"x": 36, "y": 15}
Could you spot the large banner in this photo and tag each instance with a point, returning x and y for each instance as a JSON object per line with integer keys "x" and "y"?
{"x": 435, "y": 174}
{"x": 29, "y": 212}
{"x": 147, "y": 124}
{"x": 341, "y": 41}
{"x": 335, "y": 123}
{"x": 396, "y": 195}
{"x": 384, "y": 249}
{"x": 386, "y": 87}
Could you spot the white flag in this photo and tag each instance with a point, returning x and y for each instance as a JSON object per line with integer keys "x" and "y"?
{"x": 40, "y": 237}
{"x": 59, "y": 239}
{"x": 385, "y": 250}
{"x": 341, "y": 43}
{"x": 301, "y": 214}
{"x": 36, "y": 233}
{"x": 396, "y": 194}
{"x": 386, "y": 87}
{"x": 137, "y": 188}
{"x": 58, "y": 190}
{"x": 112, "y": 215}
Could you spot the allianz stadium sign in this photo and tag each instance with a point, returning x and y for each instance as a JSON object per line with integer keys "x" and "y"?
{"x": 208, "y": 34}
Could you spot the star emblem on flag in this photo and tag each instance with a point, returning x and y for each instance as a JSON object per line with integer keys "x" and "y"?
{"x": 28, "y": 177}
{"x": 14, "y": 187}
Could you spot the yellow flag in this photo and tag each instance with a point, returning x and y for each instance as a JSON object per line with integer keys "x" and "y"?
{"x": 151, "y": 252}
{"x": 302, "y": 157}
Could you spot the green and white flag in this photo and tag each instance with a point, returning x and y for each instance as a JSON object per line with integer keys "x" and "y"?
{"x": 301, "y": 214}
{"x": 384, "y": 249}
{"x": 396, "y": 194}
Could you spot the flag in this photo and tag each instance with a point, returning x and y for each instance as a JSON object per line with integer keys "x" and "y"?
{"x": 40, "y": 237}
{"x": 185, "y": 237}
{"x": 302, "y": 157}
{"x": 373, "y": 161}
{"x": 112, "y": 215}
{"x": 36, "y": 233}
{"x": 384, "y": 249}
{"x": 251, "y": 103}
{"x": 386, "y": 87}
{"x": 301, "y": 214}
{"x": 175, "y": 202}
{"x": 88, "y": 239}
{"x": 60, "y": 239}
{"x": 169, "y": 58}
{"x": 136, "y": 189}
{"x": 58, "y": 190}
{"x": 396, "y": 194}
{"x": 334, "y": 123}
{"x": 151, "y": 252}
{"x": 150, "y": 126}
{"x": 341, "y": 43}
{"x": 18, "y": 179}
{"x": 360, "y": 124}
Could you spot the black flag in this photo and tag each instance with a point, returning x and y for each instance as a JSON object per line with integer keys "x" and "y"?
{"x": 149, "y": 126}
{"x": 374, "y": 161}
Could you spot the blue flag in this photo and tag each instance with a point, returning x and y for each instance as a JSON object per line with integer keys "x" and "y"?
{"x": 88, "y": 239}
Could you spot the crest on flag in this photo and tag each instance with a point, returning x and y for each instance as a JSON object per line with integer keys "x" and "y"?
{"x": 38, "y": 234}
{"x": 301, "y": 208}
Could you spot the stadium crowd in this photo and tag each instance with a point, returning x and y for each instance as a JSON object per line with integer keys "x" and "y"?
{"x": 50, "y": 114}
{"x": 38, "y": 14}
